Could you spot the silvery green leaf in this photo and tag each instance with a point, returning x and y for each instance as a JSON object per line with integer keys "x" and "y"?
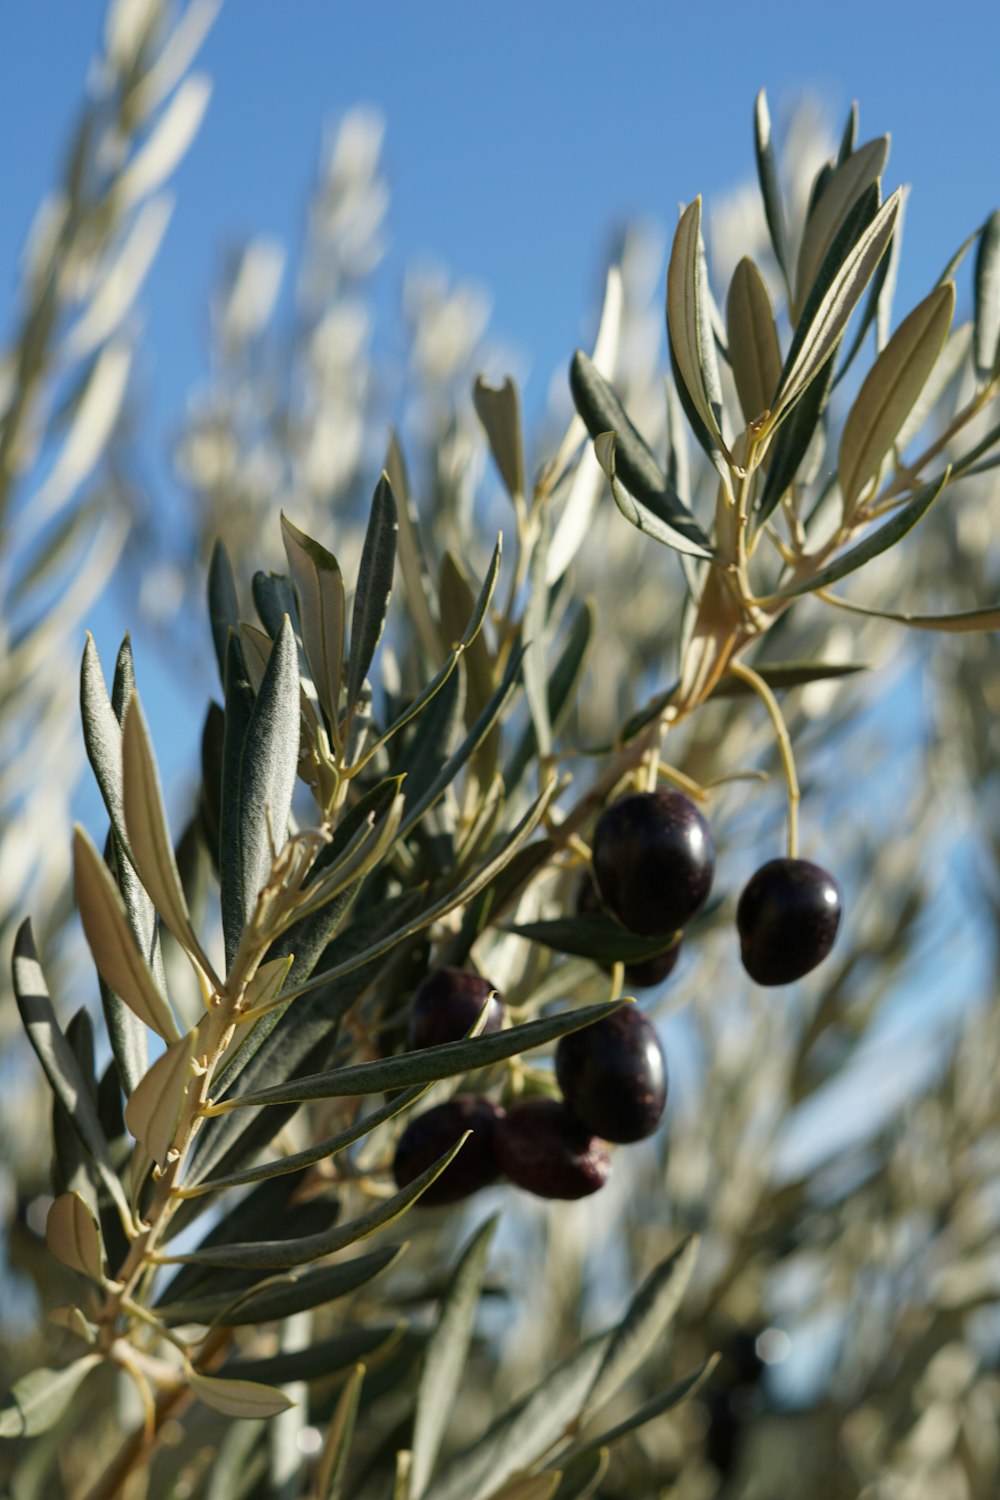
{"x": 417, "y": 585}
{"x": 837, "y": 289}
{"x": 689, "y": 322}
{"x": 259, "y": 1255}
{"x": 841, "y": 192}
{"x": 890, "y": 390}
{"x": 986, "y": 340}
{"x": 655, "y": 1407}
{"x": 223, "y": 606}
{"x": 499, "y": 410}
{"x": 237, "y": 1398}
{"x": 284, "y": 1296}
{"x": 337, "y": 1446}
{"x": 445, "y": 1357}
{"x": 534, "y": 632}
{"x": 428, "y": 1064}
{"x": 968, "y": 621}
{"x": 876, "y": 542}
{"x": 686, "y": 537}
{"x": 102, "y": 737}
{"x": 371, "y": 597}
{"x": 319, "y": 587}
{"x": 562, "y": 687}
{"x": 790, "y": 448}
{"x": 754, "y": 351}
{"x": 644, "y": 1325}
{"x": 38, "y": 1400}
{"x": 952, "y": 360}
{"x": 58, "y": 1062}
{"x": 239, "y": 709}
{"x": 770, "y": 187}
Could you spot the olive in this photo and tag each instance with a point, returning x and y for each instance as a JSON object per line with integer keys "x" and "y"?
{"x": 653, "y": 861}
{"x": 446, "y": 1006}
{"x": 613, "y": 1075}
{"x": 787, "y": 920}
{"x": 542, "y": 1147}
{"x": 429, "y": 1135}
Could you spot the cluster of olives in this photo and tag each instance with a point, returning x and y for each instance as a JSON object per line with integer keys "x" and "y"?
{"x": 653, "y": 866}
{"x": 613, "y": 1080}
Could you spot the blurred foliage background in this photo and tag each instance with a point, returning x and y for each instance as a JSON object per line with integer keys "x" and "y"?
{"x": 836, "y": 1145}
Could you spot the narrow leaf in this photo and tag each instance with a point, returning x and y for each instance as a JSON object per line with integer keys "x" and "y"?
{"x": 102, "y": 737}
{"x": 793, "y": 442}
{"x": 239, "y": 708}
{"x": 890, "y": 390}
{"x": 112, "y": 945}
{"x": 534, "y": 630}
{"x": 337, "y": 1445}
{"x": 598, "y": 937}
{"x": 428, "y": 1064}
{"x": 655, "y": 1407}
{"x": 644, "y": 1325}
{"x": 876, "y": 542}
{"x": 257, "y": 1255}
{"x": 319, "y": 586}
{"x": 770, "y": 188}
{"x": 38, "y": 1400}
{"x": 371, "y": 598}
{"x": 957, "y": 624}
{"x": 238, "y": 1398}
{"x": 842, "y": 191}
{"x": 223, "y": 605}
{"x": 59, "y": 1062}
{"x": 820, "y": 330}
{"x": 148, "y": 834}
{"x": 297, "y": 1292}
{"x": 445, "y": 1357}
{"x": 154, "y": 1106}
{"x": 690, "y": 539}
{"x": 581, "y": 1474}
{"x": 688, "y": 321}
{"x": 268, "y": 768}
{"x": 73, "y": 1235}
{"x": 499, "y": 410}
{"x": 317, "y": 1360}
{"x": 753, "y": 340}
{"x": 986, "y": 339}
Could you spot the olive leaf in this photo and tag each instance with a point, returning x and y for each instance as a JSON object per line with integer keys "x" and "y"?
{"x": 337, "y": 1445}
{"x": 322, "y": 613}
{"x": 689, "y": 323}
{"x": 986, "y": 341}
{"x": 753, "y": 340}
{"x": 596, "y": 936}
{"x": 371, "y": 596}
{"x": 154, "y": 1105}
{"x": 38, "y": 1400}
{"x": 821, "y": 328}
{"x": 223, "y": 605}
{"x": 581, "y": 1474}
{"x": 426, "y": 1065}
{"x": 686, "y": 537}
{"x": 112, "y": 945}
{"x": 890, "y": 390}
{"x": 655, "y": 1407}
{"x": 876, "y": 542}
{"x": 73, "y": 1235}
{"x": 149, "y": 837}
{"x": 499, "y": 410}
{"x": 953, "y": 624}
{"x": 445, "y": 1357}
{"x": 316, "y": 1360}
{"x": 237, "y": 1398}
{"x": 770, "y": 188}
{"x": 840, "y": 193}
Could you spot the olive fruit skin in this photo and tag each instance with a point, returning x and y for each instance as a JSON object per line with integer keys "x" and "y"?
{"x": 646, "y": 972}
{"x": 429, "y": 1135}
{"x": 653, "y": 861}
{"x": 447, "y": 1004}
{"x": 542, "y": 1147}
{"x": 787, "y": 919}
{"x": 613, "y": 1076}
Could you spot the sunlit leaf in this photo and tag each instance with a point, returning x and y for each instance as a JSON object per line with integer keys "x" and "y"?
{"x": 73, "y": 1235}
{"x": 843, "y": 189}
{"x": 688, "y": 538}
{"x": 753, "y": 340}
{"x": 337, "y": 1444}
{"x": 322, "y": 612}
{"x": 238, "y": 1398}
{"x": 655, "y": 1407}
{"x": 154, "y": 1106}
{"x": 770, "y": 187}
{"x": 688, "y": 321}
{"x": 499, "y": 410}
{"x": 38, "y": 1400}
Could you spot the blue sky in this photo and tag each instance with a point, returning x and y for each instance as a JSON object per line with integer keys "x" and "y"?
{"x": 518, "y": 136}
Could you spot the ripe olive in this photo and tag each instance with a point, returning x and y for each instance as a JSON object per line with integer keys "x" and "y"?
{"x": 787, "y": 919}
{"x": 613, "y": 1075}
{"x": 544, "y": 1149}
{"x": 428, "y": 1137}
{"x": 653, "y": 861}
{"x": 447, "y": 1004}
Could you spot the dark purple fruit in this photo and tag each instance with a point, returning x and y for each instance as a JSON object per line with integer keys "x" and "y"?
{"x": 643, "y": 974}
{"x": 544, "y": 1149}
{"x": 613, "y": 1076}
{"x": 447, "y": 1004}
{"x": 653, "y": 861}
{"x": 787, "y": 919}
{"x": 429, "y": 1135}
